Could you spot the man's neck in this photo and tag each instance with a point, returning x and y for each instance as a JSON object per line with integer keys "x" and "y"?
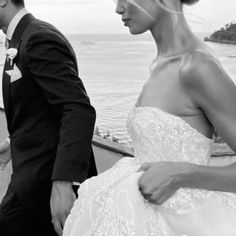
{"x": 14, "y": 22}
{"x": 13, "y": 11}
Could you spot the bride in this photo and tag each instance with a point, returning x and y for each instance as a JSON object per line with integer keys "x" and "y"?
{"x": 168, "y": 189}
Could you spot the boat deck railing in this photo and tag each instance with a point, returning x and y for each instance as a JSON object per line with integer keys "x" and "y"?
{"x": 107, "y": 153}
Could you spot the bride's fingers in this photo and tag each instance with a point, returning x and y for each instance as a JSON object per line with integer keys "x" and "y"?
{"x": 147, "y": 197}
{"x": 145, "y": 167}
{"x": 146, "y": 192}
{"x": 156, "y": 198}
{"x": 153, "y": 198}
{"x": 159, "y": 197}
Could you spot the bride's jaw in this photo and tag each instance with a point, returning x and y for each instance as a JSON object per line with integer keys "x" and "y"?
{"x": 135, "y": 28}
{"x": 138, "y": 18}
{"x": 167, "y": 25}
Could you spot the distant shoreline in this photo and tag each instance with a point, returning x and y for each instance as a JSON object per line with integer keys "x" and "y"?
{"x": 93, "y": 37}
{"x": 226, "y": 35}
{"x": 121, "y": 36}
{"x": 223, "y": 41}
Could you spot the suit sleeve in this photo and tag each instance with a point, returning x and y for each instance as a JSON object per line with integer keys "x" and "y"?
{"x": 53, "y": 66}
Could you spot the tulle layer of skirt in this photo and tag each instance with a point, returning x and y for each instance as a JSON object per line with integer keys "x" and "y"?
{"x": 110, "y": 204}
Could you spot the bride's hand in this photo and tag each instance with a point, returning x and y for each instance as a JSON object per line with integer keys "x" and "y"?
{"x": 162, "y": 179}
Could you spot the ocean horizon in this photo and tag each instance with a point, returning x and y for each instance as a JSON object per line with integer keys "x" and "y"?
{"x": 114, "y": 68}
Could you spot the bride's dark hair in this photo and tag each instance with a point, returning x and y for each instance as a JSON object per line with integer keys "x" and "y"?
{"x": 189, "y": 2}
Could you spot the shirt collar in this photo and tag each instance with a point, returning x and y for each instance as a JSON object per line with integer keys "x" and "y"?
{"x": 14, "y": 22}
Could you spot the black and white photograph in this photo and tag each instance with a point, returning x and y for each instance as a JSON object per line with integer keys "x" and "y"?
{"x": 117, "y": 118}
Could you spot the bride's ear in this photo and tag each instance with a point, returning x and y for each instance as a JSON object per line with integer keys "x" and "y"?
{"x": 3, "y": 3}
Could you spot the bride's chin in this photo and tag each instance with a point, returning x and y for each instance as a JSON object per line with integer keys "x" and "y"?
{"x": 135, "y": 31}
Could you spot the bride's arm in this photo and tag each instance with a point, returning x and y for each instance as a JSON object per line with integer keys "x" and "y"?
{"x": 214, "y": 92}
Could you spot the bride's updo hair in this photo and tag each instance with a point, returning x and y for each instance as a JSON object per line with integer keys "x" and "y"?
{"x": 189, "y": 2}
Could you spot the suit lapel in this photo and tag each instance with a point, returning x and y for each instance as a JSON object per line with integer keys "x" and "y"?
{"x": 6, "y": 80}
{"x": 16, "y": 38}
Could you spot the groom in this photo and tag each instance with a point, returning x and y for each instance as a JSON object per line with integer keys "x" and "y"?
{"x": 50, "y": 123}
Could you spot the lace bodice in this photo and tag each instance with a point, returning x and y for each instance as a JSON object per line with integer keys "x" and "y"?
{"x": 111, "y": 204}
{"x": 161, "y": 136}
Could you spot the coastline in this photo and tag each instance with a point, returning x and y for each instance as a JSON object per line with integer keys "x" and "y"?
{"x": 222, "y": 41}
{"x": 225, "y": 35}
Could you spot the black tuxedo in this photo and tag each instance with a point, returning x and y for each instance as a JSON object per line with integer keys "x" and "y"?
{"x": 49, "y": 116}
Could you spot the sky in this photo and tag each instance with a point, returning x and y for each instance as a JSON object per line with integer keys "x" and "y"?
{"x": 98, "y": 16}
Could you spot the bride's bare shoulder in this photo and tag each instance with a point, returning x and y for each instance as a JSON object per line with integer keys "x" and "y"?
{"x": 206, "y": 82}
{"x": 201, "y": 67}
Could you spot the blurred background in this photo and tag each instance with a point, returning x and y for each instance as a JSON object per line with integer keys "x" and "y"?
{"x": 114, "y": 64}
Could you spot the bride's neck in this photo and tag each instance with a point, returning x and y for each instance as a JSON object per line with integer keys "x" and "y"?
{"x": 173, "y": 35}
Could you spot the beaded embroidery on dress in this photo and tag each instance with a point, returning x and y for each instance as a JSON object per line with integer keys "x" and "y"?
{"x": 110, "y": 204}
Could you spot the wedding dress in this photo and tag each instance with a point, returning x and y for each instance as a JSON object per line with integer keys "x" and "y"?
{"x": 111, "y": 204}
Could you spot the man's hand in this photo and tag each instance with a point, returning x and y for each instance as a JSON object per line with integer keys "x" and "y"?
{"x": 161, "y": 180}
{"x": 5, "y": 154}
{"x": 62, "y": 200}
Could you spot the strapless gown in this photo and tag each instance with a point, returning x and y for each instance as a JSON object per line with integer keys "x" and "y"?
{"x": 110, "y": 204}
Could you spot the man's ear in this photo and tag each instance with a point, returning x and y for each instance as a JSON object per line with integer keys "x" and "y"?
{"x": 3, "y": 3}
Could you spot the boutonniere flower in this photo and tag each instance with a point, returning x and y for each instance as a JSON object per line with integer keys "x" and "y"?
{"x": 11, "y": 54}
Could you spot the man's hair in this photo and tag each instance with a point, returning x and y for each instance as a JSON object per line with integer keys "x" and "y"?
{"x": 18, "y": 2}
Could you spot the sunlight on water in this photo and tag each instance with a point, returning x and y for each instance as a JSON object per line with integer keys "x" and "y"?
{"x": 114, "y": 69}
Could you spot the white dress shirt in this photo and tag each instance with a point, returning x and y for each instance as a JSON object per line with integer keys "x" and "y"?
{"x": 11, "y": 29}
{"x": 14, "y": 22}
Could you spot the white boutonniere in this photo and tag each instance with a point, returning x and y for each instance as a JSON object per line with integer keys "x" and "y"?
{"x": 11, "y": 53}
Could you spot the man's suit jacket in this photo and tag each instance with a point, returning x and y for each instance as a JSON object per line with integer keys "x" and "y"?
{"x": 50, "y": 119}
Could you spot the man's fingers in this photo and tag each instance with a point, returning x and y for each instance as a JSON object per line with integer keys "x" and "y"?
{"x": 63, "y": 219}
{"x": 59, "y": 223}
{"x": 57, "y": 226}
{"x": 3, "y": 165}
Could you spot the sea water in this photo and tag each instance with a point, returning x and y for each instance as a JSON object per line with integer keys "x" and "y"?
{"x": 114, "y": 69}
